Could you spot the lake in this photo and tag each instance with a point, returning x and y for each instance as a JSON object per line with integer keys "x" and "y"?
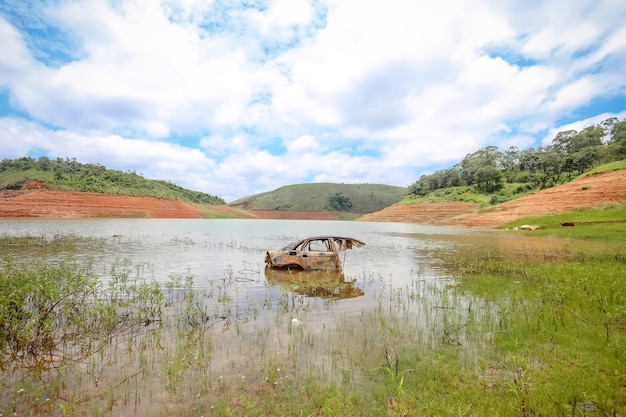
{"x": 244, "y": 333}
{"x": 210, "y": 250}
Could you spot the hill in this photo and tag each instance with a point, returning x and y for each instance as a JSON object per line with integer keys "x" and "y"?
{"x": 593, "y": 190}
{"x": 323, "y": 197}
{"x": 68, "y": 174}
{"x": 25, "y": 197}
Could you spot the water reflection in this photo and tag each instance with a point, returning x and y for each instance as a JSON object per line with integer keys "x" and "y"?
{"x": 322, "y": 284}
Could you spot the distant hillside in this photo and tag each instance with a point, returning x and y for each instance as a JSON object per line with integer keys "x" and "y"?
{"x": 67, "y": 174}
{"x": 508, "y": 191}
{"x": 602, "y": 187}
{"x": 354, "y": 198}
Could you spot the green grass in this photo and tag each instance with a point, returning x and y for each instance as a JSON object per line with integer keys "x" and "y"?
{"x": 213, "y": 212}
{"x": 597, "y": 223}
{"x": 365, "y": 198}
{"x": 613, "y": 166}
{"x": 562, "y": 321}
{"x": 469, "y": 194}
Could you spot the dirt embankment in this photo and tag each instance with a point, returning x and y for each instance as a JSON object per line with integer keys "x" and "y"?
{"x": 595, "y": 190}
{"x": 39, "y": 203}
{"x": 35, "y": 201}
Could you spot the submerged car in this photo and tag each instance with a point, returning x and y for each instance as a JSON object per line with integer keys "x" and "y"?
{"x": 312, "y": 254}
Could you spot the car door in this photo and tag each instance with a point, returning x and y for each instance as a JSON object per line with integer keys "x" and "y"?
{"x": 320, "y": 254}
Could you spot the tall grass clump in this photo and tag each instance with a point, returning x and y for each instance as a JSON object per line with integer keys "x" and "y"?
{"x": 57, "y": 317}
{"x": 45, "y": 319}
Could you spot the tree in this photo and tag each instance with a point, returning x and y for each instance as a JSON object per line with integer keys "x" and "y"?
{"x": 562, "y": 140}
{"x": 617, "y": 143}
{"x": 571, "y": 141}
{"x": 590, "y": 137}
{"x": 584, "y": 160}
{"x": 509, "y": 163}
{"x": 529, "y": 160}
{"x": 472, "y": 163}
{"x": 339, "y": 202}
{"x": 488, "y": 179}
{"x": 551, "y": 162}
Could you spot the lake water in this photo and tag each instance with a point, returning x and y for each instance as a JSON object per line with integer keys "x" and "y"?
{"x": 210, "y": 250}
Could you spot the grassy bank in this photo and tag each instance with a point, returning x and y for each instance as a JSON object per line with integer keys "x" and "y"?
{"x": 606, "y": 223}
{"x": 522, "y": 329}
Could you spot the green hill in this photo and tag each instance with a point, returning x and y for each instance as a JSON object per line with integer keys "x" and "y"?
{"x": 507, "y": 191}
{"x": 67, "y": 174}
{"x": 355, "y": 198}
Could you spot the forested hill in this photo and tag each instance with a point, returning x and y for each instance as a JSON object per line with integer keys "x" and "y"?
{"x": 355, "y": 198}
{"x": 68, "y": 174}
{"x": 499, "y": 175}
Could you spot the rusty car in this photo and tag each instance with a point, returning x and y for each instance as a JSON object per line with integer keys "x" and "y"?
{"x": 312, "y": 254}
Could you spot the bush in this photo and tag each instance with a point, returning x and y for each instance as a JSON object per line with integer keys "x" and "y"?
{"x": 51, "y": 315}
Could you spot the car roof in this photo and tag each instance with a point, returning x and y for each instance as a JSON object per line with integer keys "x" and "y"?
{"x": 355, "y": 242}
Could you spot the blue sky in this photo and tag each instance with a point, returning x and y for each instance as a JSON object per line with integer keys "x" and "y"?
{"x": 237, "y": 97}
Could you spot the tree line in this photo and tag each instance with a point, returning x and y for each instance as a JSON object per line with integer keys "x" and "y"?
{"x": 570, "y": 154}
{"x": 69, "y": 174}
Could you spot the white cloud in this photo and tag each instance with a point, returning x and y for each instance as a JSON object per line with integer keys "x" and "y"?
{"x": 14, "y": 57}
{"x": 239, "y": 97}
{"x": 140, "y": 72}
{"x": 282, "y": 15}
{"x": 219, "y": 145}
{"x": 302, "y": 144}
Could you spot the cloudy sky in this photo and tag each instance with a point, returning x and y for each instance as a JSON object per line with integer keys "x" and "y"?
{"x": 237, "y": 97}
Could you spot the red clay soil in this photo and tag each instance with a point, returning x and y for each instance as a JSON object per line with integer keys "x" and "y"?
{"x": 35, "y": 201}
{"x": 595, "y": 190}
{"x": 432, "y": 213}
{"x": 70, "y": 204}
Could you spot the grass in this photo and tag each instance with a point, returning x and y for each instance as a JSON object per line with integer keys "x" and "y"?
{"x": 519, "y": 330}
{"x": 564, "y": 322}
{"x": 598, "y": 223}
{"x": 469, "y": 194}
{"x": 221, "y": 212}
{"x": 613, "y": 166}
{"x": 364, "y": 198}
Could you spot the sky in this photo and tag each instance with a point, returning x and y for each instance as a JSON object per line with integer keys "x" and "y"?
{"x": 239, "y": 97}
